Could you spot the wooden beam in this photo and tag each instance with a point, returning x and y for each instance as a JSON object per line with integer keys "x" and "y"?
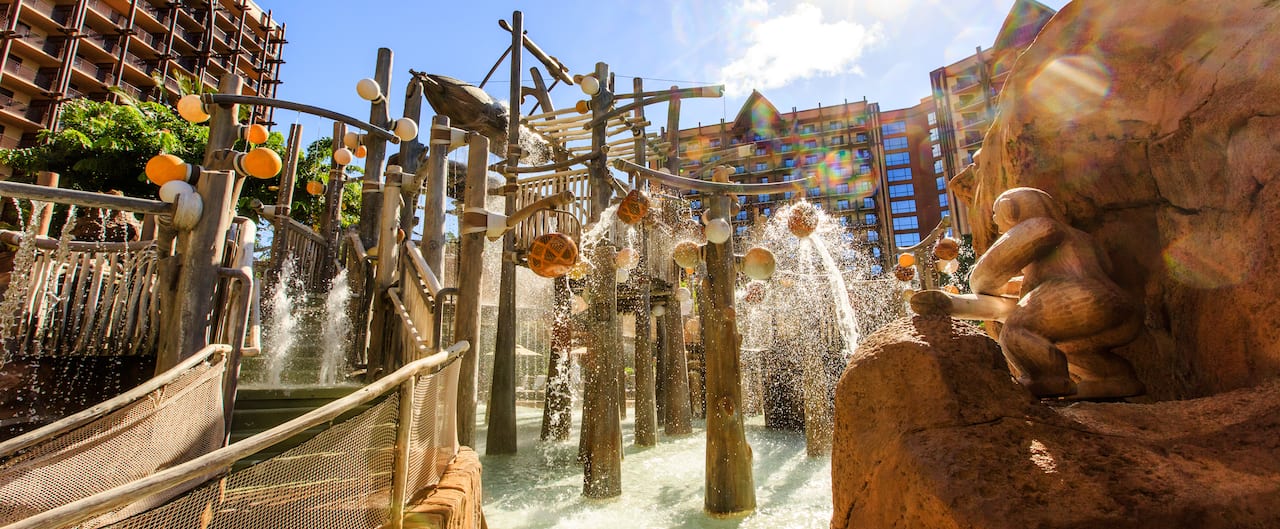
{"x": 84, "y": 199}
{"x": 730, "y": 485}
{"x": 602, "y": 427}
{"x": 501, "y": 435}
{"x": 376, "y": 150}
{"x": 678, "y": 419}
{"x": 284, "y": 200}
{"x": 470, "y": 272}
{"x": 646, "y": 422}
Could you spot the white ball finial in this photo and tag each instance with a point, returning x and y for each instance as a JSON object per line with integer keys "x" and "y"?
{"x": 718, "y": 231}
{"x": 369, "y": 90}
{"x": 589, "y": 85}
{"x": 406, "y": 129}
{"x": 342, "y": 156}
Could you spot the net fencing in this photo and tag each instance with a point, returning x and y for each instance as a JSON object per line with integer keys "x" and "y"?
{"x": 177, "y": 422}
{"x": 341, "y": 478}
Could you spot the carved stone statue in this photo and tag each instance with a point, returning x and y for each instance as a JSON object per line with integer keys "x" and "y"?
{"x": 1050, "y": 286}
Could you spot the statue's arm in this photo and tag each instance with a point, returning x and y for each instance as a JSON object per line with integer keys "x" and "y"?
{"x": 1022, "y": 245}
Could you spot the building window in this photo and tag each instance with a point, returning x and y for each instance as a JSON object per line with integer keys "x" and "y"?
{"x": 895, "y": 144}
{"x": 786, "y": 147}
{"x": 844, "y": 221}
{"x": 740, "y": 231}
{"x": 695, "y": 204}
{"x": 808, "y": 129}
{"x": 789, "y": 162}
{"x": 761, "y": 151}
{"x": 873, "y": 236}
{"x": 933, "y": 118}
{"x": 869, "y": 218}
{"x": 837, "y": 140}
{"x": 811, "y": 144}
{"x": 896, "y": 127}
{"x": 757, "y": 137}
{"x": 735, "y": 141}
{"x": 787, "y": 195}
{"x": 842, "y": 189}
{"x": 902, "y": 206}
{"x": 739, "y": 169}
{"x": 861, "y": 137}
{"x": 942, "y": 182}
{"x": 742, "y": 200}
{"x": 760, "y": 166}
{"x": 942, "y": 199}
{"x": 864, "y": 169}
{"x": 903, "y": 240}
{"x": 713, "y": 158}
{"x": 897, "y": 158}
{"x": 813, "y": 191}
{"x": 862, "y": 187}
{"x": 741, "y": 216}
{"x": 869, "y": 203}
{"x": 937, "y": 150}
{"x": 937, "y": 167}
{"x": 906, "y": 223}
{"x": 901, "y": 190}
{"x": 933, "y": 134}
{"x": 842, "y": 204}
{"x": 898, "y": 175}
{"x": 811, "y": 159}
{"x": 834, "y": 125}
{"x": 715, "y": 142}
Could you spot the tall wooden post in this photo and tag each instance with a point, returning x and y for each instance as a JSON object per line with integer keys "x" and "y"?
{"x": 284, "y": 200}
{"x": 466, "y": 324}
{"x": 376, "y": 151}
{"x": 331, "y": 223}
{"x": 381, "y": 348}
{"x": 646, "y": 422}
{"x": 200, "y": 257}
{"x": 601, "y": 421}
{"x": 501, "y": 435}
{"x": 436, "y": 187}
{"x": 678, "y": 419}
{"x": 730, "y": 487}
{"x": 410, "y": 160}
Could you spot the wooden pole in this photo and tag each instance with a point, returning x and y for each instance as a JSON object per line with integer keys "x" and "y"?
{"x": 186, "y": 326}
{"x": 284, "y": 200}
{"x": 436, "y": 186}
{"x": 331, "y": 223}
{"x": 501, "y": 435}
{"x": 602, "y": 425}
{"x": 646, "y": 422}
{"x": 376, "y": 150}
{"x": 47, "y": 179}
{"x": 678, "y": 419}
{"x": 467, "y": 317}
{"x": 730, "y": 487}
{"x": 410, "y": 156}
{"x": 382, "y": 347}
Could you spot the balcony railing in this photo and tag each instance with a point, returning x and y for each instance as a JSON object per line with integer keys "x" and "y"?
{"x": 103, "y": 9}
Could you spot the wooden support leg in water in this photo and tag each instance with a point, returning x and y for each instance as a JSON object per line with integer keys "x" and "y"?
{"x": 730, "y": 486}
{"x": 467, "y": 317}
{"x": 601, "y": 426}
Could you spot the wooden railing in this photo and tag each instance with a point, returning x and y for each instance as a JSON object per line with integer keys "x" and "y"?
{"x": 309, "y": 252}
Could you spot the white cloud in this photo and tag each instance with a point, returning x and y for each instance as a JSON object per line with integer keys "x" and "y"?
{"x": 797, "y": 45}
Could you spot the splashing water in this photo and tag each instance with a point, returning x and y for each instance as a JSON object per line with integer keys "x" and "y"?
{"x": 282, "y": 321}
{"x": 848, "y": 321}
{"x": 337, "y": 329}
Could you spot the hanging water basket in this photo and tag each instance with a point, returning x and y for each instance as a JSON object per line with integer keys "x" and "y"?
{"x": 552, "y": 255}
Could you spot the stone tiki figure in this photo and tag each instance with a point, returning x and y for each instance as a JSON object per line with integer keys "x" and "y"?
{"x": 1049, "y": 284}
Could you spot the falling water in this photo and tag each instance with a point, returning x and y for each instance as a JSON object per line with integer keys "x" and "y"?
{"x": 848, "y": 321}
{"x": 337, "y": 329}
{"x": 282, "y": 323}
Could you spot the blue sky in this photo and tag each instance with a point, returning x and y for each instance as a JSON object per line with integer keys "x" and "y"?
{"x": 797, "y": 52}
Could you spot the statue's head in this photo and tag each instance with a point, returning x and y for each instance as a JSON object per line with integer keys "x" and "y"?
{"x": 1022, "y": 203}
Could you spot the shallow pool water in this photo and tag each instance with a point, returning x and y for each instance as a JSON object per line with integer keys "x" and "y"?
{"x": 541, "y": 485}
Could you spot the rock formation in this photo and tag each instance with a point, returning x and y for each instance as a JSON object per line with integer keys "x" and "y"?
{"x": 1157, "y": 127}
{"x": 932, "y": 431}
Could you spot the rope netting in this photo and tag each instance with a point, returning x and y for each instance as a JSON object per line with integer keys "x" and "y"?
{"x": 175, "y": 423}
{"x": 341, "y": 478}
